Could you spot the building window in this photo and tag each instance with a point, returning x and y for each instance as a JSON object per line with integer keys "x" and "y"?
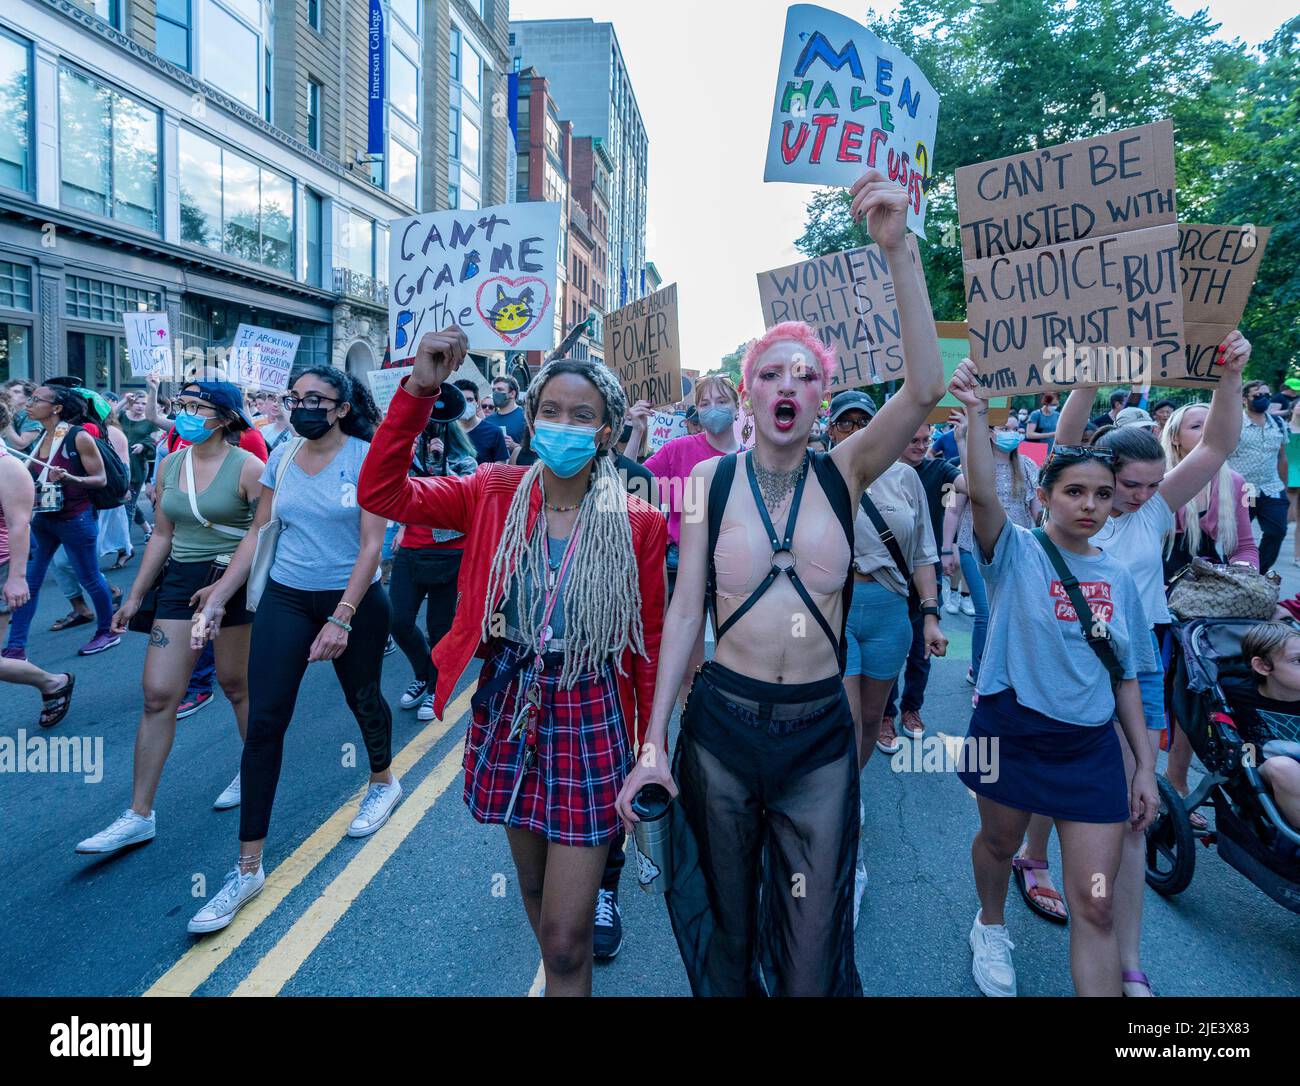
{"x": 453, "y": 133}
{"x": 408, "y": 11}
{"x": 453, "y": 197}
{"x": 234, "y": 205}
{"x": 97, "y": 300}
{"x": 15, "y": 286}
{"x": 313, "y": 115}
{"x": 469, "y": 145}
{"x": 15, "y": 114}
{"x": 231, "y": 52}
{"x": 110, "y": 11}
{"x": 403, "y": 171}
{"x": 472, "y": 72}
{"x": 15, "y": 351}
{"x": 108, "y": 151}
{"x": 403, "y": 85}
{"x": 314, "y": 216}
{"x": 313, "y": 14}
{"x": 454, "y": 38}
{"x": 172, "y": 32}
{"x": 266, "y": 84}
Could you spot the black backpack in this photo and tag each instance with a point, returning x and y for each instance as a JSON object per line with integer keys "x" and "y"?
{"x": 113, "y": 492}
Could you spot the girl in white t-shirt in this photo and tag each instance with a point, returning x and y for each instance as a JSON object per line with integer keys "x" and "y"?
{"x": 1146, "y": 495}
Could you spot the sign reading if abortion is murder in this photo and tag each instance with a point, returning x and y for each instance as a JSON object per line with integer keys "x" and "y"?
{"x": 262, "y": 357}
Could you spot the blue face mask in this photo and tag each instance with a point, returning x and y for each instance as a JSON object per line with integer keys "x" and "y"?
{"x": 717, "y": 419}
{"x": 562, "y": 448}
{"x": 193, "y": 428}
{"x": 1007, "y": 441}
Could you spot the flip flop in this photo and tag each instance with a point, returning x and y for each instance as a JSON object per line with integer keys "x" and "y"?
{"x": 54, "y": 707}
{"x": 68, "y": 621}
{"x": 1136, "y": 976}
{"x": 1023, "y": 869}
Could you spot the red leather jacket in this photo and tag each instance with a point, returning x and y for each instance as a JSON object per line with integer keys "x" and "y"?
{"x": 477, "y": 505}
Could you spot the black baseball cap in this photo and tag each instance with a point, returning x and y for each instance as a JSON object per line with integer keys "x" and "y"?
{"x": 852, "y": 400}
{"x": 221, "y": 394}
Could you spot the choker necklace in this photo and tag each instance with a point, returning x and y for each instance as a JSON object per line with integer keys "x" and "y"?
{"x": 776, "y": 486}
{"x": 565, "y": 508}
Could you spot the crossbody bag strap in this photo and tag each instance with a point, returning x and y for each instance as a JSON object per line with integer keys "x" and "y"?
{"x": 1102, "y": 646}
{"x": 284, "y": 466}
{"x": 224, "y": 529}
{"x": 888, "y": 538}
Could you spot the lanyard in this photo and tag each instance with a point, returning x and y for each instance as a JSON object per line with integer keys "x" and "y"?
{"x": 544, "y": 631}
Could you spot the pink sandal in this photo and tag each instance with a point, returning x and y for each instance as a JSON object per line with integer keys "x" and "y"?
{"x": 1136, "y": 976}
{"x": 1023, "y": 869}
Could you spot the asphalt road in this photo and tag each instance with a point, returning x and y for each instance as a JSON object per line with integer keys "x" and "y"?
{"x": 429, "y": 906}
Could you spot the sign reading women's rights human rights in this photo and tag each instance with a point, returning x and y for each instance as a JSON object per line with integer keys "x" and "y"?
{"x": 642, "y": 347}
{"x": 846, "y": 100}
{"x": 1070, "y": 255}
{"x": 849, "y": 299}
{"x": 1218, "y": 265}
{"x": 491, "y": 270}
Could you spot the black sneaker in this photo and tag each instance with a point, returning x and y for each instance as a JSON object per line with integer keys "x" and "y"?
{"x": 607, "y": 938}
{"x": 391, "y": 647}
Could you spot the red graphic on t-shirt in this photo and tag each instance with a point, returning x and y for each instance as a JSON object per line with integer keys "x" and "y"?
{"x": 1095, "y": 593}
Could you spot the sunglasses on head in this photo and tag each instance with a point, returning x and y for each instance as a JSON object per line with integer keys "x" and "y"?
{"x": 1078, "y": 453}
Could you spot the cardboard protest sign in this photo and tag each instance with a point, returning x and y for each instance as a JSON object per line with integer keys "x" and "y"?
{"x": 663, "y": 427}
{"x": 954, "y": 348}
{"x": 262, "y": 357}
{"x": 1218, "y": 265}
{"x": 490, "y": 270}
{"x": 846, "y": 100}
{"x": 1070, "y": 257}
{"x": 848, "y": 299}
{"x": 642, "y": 347}
{"x": 148, "y": 343}
{"x": 384, "y": 382}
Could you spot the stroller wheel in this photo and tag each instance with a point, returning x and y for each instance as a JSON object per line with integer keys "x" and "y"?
{"x": 1171, "y": 845}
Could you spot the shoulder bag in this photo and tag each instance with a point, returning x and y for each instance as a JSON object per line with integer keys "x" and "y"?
{"x": 1100, "y": 643}
{"x": 268, "y": 536}
{"x": 1211, "y": 590}
{"x": 895, "y": 553}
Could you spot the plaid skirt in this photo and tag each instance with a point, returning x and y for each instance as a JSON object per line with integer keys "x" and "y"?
{"x": 583, "y": 754}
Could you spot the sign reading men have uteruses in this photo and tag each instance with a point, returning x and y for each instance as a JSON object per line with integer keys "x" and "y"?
{"x": 492, "y": 271}
{"x": 845, "y": 101}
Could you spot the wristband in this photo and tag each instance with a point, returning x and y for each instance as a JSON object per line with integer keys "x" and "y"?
{"x": 340, "y": 623}
{"x": 351, "y": 607}
{"x": 928, "y": 611}
{"x": 942, "y": 553}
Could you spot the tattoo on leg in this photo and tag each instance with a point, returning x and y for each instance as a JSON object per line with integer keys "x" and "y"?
{"x": 157, "y": 637}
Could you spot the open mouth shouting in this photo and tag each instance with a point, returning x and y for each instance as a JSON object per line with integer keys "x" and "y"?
{"x": 785, "y": 412}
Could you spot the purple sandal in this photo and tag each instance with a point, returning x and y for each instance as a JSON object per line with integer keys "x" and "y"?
{"x": 1136, "y": 976}
{"x": 1023, "y": 869}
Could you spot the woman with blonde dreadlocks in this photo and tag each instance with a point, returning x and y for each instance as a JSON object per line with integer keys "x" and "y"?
{"x": 562, "y": 594}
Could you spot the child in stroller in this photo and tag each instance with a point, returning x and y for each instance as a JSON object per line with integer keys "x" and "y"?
{"x": 1266, "y": 710}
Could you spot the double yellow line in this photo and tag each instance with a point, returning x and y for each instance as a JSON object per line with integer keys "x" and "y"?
{"x": 279, "y": 965}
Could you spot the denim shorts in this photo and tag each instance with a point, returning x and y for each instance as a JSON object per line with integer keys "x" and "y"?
{"x": 1152, "y": 684}
{"x": 878, "y": 631}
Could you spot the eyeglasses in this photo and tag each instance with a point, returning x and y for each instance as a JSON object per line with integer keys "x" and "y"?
{"x": 40, "y": 399}
{"x": 1084, "y": 452}
{"x": 311, "y": 401}
{"x": 193, "y": 407}
{"x": 848, "y": 426}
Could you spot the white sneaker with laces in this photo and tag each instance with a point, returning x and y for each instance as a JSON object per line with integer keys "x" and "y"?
{"x": 229, "y": 798}
{"x": 968, "y": 606}
{"x": 378, "y": 804}
{"x": 128, "y": 828}
{"x": 237, "y": 892}
{"x": 951, "y": 605}
{"x": 859, "y": 888}
{"x": 992, "y": 968}
{"x": 412, "y": 694}
{"x": 426, "y": 708}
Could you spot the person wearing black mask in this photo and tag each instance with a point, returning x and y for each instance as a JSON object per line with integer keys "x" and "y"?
{"x": 508, "y": 414}
{"x": 320, "y": 600}
{"x": 1260, "y": 459}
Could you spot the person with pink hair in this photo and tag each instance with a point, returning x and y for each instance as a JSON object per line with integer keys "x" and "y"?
{"x": 767, "y": 761}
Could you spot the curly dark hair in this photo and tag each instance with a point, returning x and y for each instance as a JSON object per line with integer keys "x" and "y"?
{"x": 72, "y": 404}
{"x": 364, "y": 416}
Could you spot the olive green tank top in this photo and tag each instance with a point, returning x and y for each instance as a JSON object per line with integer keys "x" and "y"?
{"x": 219, "y": 503}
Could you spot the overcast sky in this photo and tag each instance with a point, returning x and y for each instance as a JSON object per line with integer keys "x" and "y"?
{"x": 704, "y": 74}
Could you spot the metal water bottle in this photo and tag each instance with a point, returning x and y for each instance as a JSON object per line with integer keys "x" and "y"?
{"x": 654, "y": 858}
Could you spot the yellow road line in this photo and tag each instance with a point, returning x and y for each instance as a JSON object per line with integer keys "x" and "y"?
{"x": 198, "y": 963}
{"x": 277, "y": 968}
{"x": 539, "y": 981}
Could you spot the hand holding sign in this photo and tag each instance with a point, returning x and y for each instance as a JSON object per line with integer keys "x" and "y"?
{"x": 436, "y": 359}
{"x": 1234, "y": 352}
{"x": 965, "y": 385}
{"x": 884, "y": 205}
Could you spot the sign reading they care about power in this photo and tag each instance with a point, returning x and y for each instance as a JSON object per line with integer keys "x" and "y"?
{"x": 643, "y": 348}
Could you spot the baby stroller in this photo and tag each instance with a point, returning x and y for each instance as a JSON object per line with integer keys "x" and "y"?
{"x": 1249, "y": 831}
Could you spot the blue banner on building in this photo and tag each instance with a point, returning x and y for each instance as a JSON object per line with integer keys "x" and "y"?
{"x": 512, "y": 88}
{"x": 375, "y": 80}
{"x": 622, "y": 286}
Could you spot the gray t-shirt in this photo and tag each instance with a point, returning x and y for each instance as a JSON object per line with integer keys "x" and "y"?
{"x": 1035, "y": 644}
{"x": 529, "y": 591}
{"x": 321, "y": 537}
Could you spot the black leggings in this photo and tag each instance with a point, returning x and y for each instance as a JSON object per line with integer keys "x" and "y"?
{"x": 418, "y": 573}
{"x": 285, "y": 625}
{"x": 772, "y": 803}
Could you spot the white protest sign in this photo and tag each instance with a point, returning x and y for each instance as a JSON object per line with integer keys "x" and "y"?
{"x": 846, "y": 100}
{"x": 664, "y": 426}
{"x": 262, "y": 357}
{"x": 383, "y": 383}
{"x": 148, "y": 343}
{"x": 492, "y": 271}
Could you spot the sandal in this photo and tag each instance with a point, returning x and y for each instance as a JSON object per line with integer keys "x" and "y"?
{"x": 121, "y": 562}
{"x": 68, "y": 621}
{"x": 1023, "y": 869}
{"x": 1136, "y": 976}
{"x": 54, "y": 707}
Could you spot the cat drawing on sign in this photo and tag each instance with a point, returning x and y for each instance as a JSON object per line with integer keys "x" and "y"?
{"x": 510, "y": 314}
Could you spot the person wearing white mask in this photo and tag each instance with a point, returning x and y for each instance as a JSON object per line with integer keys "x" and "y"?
{"x": 489, "y": 441}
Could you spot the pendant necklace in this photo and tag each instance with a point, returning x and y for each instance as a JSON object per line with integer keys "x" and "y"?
{"x": 776, "y": 486}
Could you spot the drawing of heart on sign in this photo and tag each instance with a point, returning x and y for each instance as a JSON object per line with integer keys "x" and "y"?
{"x": 514, "y": 306}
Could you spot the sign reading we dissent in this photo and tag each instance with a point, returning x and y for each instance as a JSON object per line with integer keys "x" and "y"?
{"x": 643, "y": 348}
{"x": 1073, "y": 248}
{"x": 845, "y": 100}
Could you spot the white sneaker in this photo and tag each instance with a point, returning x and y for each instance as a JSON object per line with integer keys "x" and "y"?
{"x": 862, "y": 813}
{"x": 859, "y": 888}
{"x": 229, "y": 798}
{"x": 992, "y": 968}
{"x": 426, "y": 708}
{"x": 237, "y": 892}
{"x": 968, "y": 606}
{"x": 378, "y": 804}
{"x": 128, "y": 828}
{"x": 412, "y": 694}
{"x": 951, "y": 605}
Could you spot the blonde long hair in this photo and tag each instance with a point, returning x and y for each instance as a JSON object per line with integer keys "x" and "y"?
{"x": 602, "y": 596}
{"x": 1227, "y": 511}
